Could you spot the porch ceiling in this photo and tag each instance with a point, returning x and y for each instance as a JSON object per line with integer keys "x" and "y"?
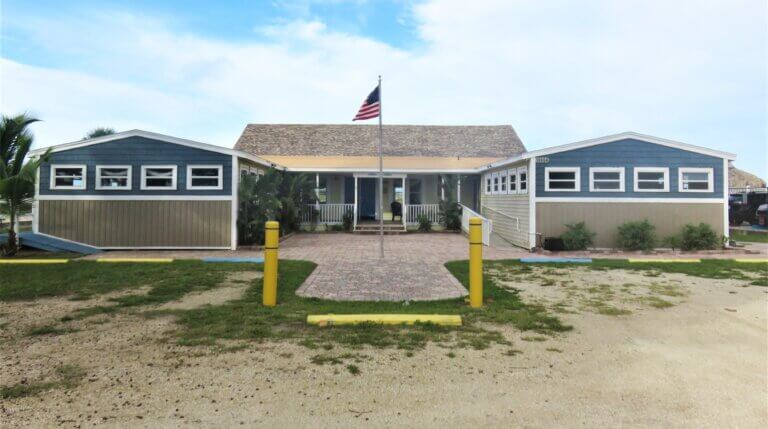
{"x": 391, "y": 163}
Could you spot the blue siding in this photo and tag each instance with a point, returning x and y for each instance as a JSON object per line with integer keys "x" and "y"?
{"x": 630, "y": 153}
{"x": 137, "y": 151}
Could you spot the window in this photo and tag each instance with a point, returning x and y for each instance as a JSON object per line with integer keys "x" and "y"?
{"x": 503, "y": 182}
{"x": 204, "y": 177}
{"x": 512, "y": 173}
{"x": 487, "y": 184}
{"x": 495, "y": 183}
{"x": 244, "y": 171}
{"x": 651, "y": 179}
{"x": 414, "y": 191}
{"x": 606, "y": 179}
{"x": 158, "y": 177}
{"x": 695, "y": 180}
{"x": 522, "y": 177}
{"x": 113, "y": 177}
{"x": 562, "y": 179}
{"x": 68, "y": 177}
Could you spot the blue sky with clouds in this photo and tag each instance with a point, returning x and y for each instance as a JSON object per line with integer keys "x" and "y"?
{"x": 558, "y": 71}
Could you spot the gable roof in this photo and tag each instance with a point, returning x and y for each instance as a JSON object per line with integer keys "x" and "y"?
{"x": 153, "y": 136}
{"x": 497, "y": 141}
{"x": 610, "y": 139}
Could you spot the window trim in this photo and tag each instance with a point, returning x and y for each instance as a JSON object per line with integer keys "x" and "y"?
{"x": 710, "y": 180}
{"x": 520, "y": 181}
{"x": 503, "y": 182}
{"x": 129, "y": 183}
{"x": 664, "y": 170}
{"x": 220, "y": 177}
{"x": 622, "y": 178}
{"x": 577, "y": 178}
{"x": 174, "y": 178}
{"x": 510, "y": 173}
{"x": 495, "y": 183}
{"x": 488, "y": 183}
{"x": 55, "y": 167}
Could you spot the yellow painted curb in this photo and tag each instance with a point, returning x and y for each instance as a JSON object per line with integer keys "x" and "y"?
{"x": 752, "y": 261}
{"x": 668, "y": 261}
{"x": 386, "y": 319}
{"x": 149, "y": 260}
{"x": 34, "y": 261}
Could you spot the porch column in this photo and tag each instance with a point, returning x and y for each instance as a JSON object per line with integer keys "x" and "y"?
{"x": 405, "y": 207}
{"x": 442, "y": 187}
{"x": 355, "y": 210}
{"x": 317, "y": 191}
{"x": 458, "y": 189}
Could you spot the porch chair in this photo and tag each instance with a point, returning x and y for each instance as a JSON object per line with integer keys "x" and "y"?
{"x": 397, "y": 210}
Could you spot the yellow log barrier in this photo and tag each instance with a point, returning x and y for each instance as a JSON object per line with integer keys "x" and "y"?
{"x": 137, "y": 260}
{"x": 271, "y": 242}
{"x": 475, "y": 262}
{"x": 386, "y": 319}
{"x": 664, "y": 261}
{"x": 33, "y": 261}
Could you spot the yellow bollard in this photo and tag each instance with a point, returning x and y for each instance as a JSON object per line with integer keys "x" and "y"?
{"x": 271, "y": 242}
{"x": 475, "y": 262}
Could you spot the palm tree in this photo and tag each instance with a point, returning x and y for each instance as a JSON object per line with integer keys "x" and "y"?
{"x": 17, "y": 178}
{"x": 99, "y": 132}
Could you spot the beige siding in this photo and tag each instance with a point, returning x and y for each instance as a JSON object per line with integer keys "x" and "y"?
{"x": 509, "y": 213}
{"x": 138, "y": 223}
{"x": 604, "y": 218}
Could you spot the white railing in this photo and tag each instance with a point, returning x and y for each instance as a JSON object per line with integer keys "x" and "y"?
{"x": 326, "y": 213}
{"x": 413, "y": 211}
{"x": 466, "y": 214}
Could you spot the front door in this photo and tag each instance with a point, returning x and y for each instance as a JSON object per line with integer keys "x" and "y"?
{"x": 366, "y": 195}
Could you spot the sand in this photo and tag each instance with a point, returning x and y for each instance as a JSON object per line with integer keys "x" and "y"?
{"x": 700, "y": 363}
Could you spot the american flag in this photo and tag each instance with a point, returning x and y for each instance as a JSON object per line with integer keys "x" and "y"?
{"x": 371, "y": 106}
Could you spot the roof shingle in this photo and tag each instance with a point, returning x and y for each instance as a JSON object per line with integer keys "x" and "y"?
{"x": 361, "y": 140}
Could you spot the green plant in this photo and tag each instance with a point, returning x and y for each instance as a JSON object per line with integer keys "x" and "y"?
{"x": 99, "y": 132}
{"x": 673, "y": 242}
{"x": 637, "y": 235}
{"x": 450, "y": 210}
{"x": 425, "y": 225}
{"x": 578, "y": 236}
{"x": 335, "y": 227}
{"x": 348, "y": 220}
{"x": 699, "y": 237}
{"x": 17, "y": 178}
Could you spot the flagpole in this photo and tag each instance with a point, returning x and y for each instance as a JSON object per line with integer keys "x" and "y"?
{"x": 381, "y": 182}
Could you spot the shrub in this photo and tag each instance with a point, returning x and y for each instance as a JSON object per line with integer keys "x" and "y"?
{"x": 637, "y": 235}
{"x": 450, "y": 215}
{"x": 673, "y": 242}
{"x": 424, "y": 223}
{"x": 348, "y": 220}
{"x": 334, "y": 227}
{"x": 578, "y": 236}
{"x": 701, "y": 237}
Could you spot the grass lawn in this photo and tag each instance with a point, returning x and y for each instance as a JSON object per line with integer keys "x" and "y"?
{"x": 750, "y": 238}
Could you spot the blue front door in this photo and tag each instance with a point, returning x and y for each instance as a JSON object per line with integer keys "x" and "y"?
{"x": 366, "y": 196}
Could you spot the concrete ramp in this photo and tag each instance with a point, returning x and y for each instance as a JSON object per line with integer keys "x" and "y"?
{"x": 52, "y": 244}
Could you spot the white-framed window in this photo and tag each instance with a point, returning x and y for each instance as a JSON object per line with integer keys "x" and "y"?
{"x": 522, "y": 180}
{"x": 113, "y": 177}
{"x": 606, "y": 179}
{"x": 502, "y": 183}
{"x": 512, "y": 174}
{"x": 488, "y": 184}
{"x": 651, "y": 179}
{"x": 495, "y": 177}
{"x": 205, "y": 177}
{"x": 158, "y": 177}
{"x": 695, "y": 179}
{"x": 244, "y": 171}
{"x": 562, "y": 179}
{"x": 68, "y": 176}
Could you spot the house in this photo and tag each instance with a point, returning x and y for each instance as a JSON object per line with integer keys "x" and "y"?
{"x": 138, "y": 189}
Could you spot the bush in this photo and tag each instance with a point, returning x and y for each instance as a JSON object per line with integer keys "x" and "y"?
{"x": 673, "y": 242}
{"x": 637, "y": 235}
{"x": 701, "y": 237}
{"x": 450, "y": 215}
{"x": 348, "y": 220}
{"x": 578, "y": 236}
{"x": 424, "y": 223}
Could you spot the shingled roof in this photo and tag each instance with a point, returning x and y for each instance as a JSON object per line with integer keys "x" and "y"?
{"x": 399, "y": 140}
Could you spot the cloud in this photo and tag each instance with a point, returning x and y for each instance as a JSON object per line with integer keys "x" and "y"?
{"x": 557, "y": 71}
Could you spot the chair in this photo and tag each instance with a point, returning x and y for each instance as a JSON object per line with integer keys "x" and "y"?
{"x": 397, "y": 210}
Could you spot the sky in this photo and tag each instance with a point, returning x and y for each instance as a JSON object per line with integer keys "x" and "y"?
{"x": 557, "y": 71}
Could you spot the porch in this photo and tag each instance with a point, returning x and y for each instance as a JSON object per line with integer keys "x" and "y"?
{"x": 357, "y": 195}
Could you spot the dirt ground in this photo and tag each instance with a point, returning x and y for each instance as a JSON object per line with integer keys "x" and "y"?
{"x": 701, "y": 361}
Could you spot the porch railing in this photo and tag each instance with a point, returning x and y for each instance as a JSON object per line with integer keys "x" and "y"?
{"x": 413, "y": 211}
{"x": 325, "y": 213}
{"x": 466, "y": 214}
